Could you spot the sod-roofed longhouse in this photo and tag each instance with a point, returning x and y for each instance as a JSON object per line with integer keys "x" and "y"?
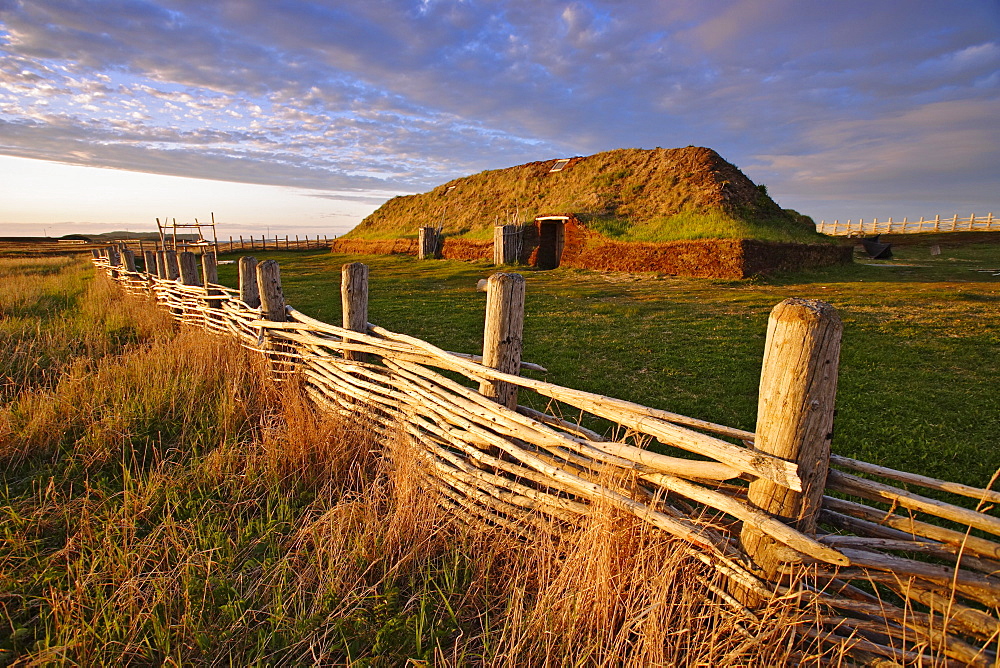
{"x": 682, "y": 211}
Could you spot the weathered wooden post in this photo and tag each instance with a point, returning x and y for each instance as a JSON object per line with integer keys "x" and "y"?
{"x": 272, "y": 299}
{"x": 502, "y": 340}
{"x": 272, "y": 307}
{"x": 152, "y": 271}
{"x": 114, "y": 261}
{"x": 209, "y": 268}
{"x": 354, "y": 302}
{"x": 427, "y": 248}
{"x": 505, "y": 244}
{"x": 161, "y": 264}
{"x": 798, "y": 387}
{"x": 210, "y": 277}
{"x": 249, "y": 294}
{"x": 128, "y": 258}
{"x": 189, "y": 268}
{"x": 170, "y": 262}
{"x": 96, "y": 253}
{"x": 149, "y": 257}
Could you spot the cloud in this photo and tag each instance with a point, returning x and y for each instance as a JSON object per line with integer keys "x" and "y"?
{"x": 398, "y": 94}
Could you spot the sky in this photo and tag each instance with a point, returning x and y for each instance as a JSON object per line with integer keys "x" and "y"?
{"x": 301, "y": 117}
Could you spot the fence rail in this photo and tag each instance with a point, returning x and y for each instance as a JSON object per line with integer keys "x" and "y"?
{"x": 239, "y": 243}
{"x": 887, "y": 565}
{"x": 861, "y": 227}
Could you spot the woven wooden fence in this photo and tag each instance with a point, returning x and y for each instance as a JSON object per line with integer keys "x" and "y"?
{"x": 893, "y": 573}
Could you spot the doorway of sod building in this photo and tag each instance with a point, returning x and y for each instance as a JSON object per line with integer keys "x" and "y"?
{"x": 551, "y": 238}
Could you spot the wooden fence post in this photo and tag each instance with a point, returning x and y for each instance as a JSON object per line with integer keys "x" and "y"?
{"x": 428, "y": 243}
{"x": 502, "y": 340}
{"x": 354, "y": 302}
{"x": 128, "y": 258}
{"x": 249, "y": 294}
{"x": 114, "y": 261}
{"x": 170, "y": 261}
{"x": 209, "y": 268}
{"x": 272, "y": 307}
{"x": 272, "y": 299}
{"x": 798, "y": 388}
{"x": 210, "y": 276}
{"x": 150, "y": 259}
{"x": 189, "y": 268}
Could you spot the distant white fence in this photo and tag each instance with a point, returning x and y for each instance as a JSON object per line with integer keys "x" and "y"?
{"x": 985, "y": 223}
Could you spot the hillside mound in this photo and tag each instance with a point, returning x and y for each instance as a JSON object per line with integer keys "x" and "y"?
{"x": 625, "y": 194}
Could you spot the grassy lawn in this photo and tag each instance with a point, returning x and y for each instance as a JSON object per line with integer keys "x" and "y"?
{"x": 161, "y": 504}
{"x": 919, "y": 363}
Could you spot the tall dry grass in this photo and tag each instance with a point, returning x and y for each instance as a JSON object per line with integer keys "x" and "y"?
{"x": 163, "y": 503}
{"x": 54, "y": 313}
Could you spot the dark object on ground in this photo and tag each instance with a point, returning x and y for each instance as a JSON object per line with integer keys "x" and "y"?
{"x": 876, "y": 249}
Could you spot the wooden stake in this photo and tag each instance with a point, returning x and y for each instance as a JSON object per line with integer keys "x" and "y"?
{"x": 798, "y": 386}
{"x": 189, "y": 268}
{"x": 150, "y": 258}
{"x": 249, "y": 294}
{"x": 170, "y": 262}
{"x": 210, "y": 276}
{"x": 161, "y": 264}
{"x": 272, "y": 299}
{"x": 209, "y": 268}
{"x": 354, "y": 300}
{"x": 502, "y": 340}
{"x": 128, "y": 258}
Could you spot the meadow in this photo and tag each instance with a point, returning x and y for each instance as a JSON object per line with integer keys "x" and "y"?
{"x": 919, "y": 362}
{"x": 163, "y": 504}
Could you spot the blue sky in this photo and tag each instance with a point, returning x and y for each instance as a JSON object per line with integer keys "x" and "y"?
{"x": 290, "y": 116}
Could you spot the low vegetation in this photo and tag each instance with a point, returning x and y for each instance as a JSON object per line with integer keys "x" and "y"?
{"x": 918, "y": 366}
{"x": 163, "y": 503}
{"x": 625, "y": 194}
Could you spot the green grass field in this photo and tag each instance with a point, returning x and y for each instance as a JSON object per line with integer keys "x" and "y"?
{"x": 919, "y": 366}
{"x": 161, "y": 504}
